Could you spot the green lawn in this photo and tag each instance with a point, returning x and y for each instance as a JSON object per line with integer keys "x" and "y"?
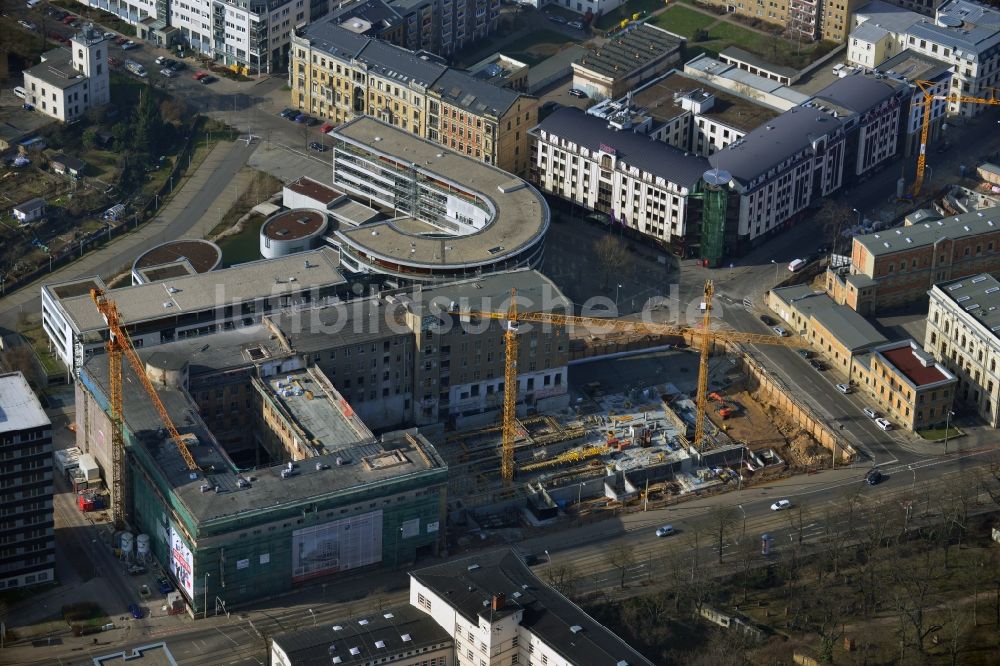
{"x": 773, "y": 49}
{"x": 683, "y": 21}
{"x": 615, "y": 16}
{"x": 39, "y": 341}
{"x": 937, "y": 434}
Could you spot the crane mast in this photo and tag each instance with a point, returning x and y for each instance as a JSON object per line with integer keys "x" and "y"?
{"x": 120, "y": 345}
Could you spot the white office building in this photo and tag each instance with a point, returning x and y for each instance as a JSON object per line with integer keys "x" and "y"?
{"x": 70, "y": 81}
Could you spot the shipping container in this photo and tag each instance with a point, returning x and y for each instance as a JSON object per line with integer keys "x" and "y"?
{"x": 89, "y": 468}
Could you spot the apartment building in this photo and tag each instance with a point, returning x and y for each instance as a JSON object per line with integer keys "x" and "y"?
{"x": 963, "y": 323}
{"x": 27, "y": 536}
{"x": 498, "y": 613}
{"x": 805, "y": 19}
{"x": 898, "y": 266}
{"x": 638, "y": 181}
{"x": 781, "y": 167}
{"x": 909, "y": 388}
{"x": 480, "y": 120}
{"x": 72, "y": 80}
{"x": 909, "y": 67}
{"x": 964, "y": 34}
{"x": 339, "y": 75}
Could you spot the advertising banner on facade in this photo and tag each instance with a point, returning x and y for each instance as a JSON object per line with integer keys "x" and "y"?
{"x": 181, "y": 562}
{"x": 336, "y": 546}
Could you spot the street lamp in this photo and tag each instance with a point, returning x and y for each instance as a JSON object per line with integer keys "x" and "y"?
{"x": 548, "y": 556}
{"x": 947, "y": 428}
{"x": 775, "y": 269}
{"x": 744, "y": 533}
{"x": 616, "y": 295}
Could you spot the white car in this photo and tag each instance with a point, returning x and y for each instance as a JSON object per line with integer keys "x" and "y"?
{"x": 160, "y": 59}
{"x": 844, "y": 388}
{"x": 666, "y": 530}
{"x": 575, "y": 24}
{"x": 780, "y": 332}
{"x": 870, "y": 413}
{"x": 781, "y": 505}
{"x": 884, "y": 424}
{"x": 168, "y": 73}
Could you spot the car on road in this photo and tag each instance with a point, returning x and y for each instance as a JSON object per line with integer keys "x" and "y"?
{"x": 817, "y": 364}
{"x": 326, "y": 127}
{"x": 884, "y": 424}
{"x": 780, "y": 332}
{"x": 576, "y": 92}
{"x": 781, "y": 505}
{"x": 768, "y": 321}
{"x": 129, "y": 45}
{"x": 874, "y": 477}
{"x": 804, "y": 353}
{"x": 318, "y": 147}
{"x": 205, "y": 80}
{"x": 135, "y": 611}
{"x": 555, "y": 18}
{"x": 666, "y": 530}
{"x": 845, "y": 388}
{"x": 164, "y": 585}
{"x": 870, "y": 413}
{"x": 198, "y": 76}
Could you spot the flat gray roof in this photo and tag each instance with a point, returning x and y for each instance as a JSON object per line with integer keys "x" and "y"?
{"x": 243, "y": 282}
{"x": 521, "y": 215}
{"x": 19, "y": 407}
{"x": 902, "y": 239}
{"x": 737, "y": 53}
{"x": 913, "y": 65}
{"x": 631, "y": 50}
{"x": 658, "y": 98}
{"x": 392, "y": 456}
{"x": 977, "y": 28}
{"x": 979, "y": 295}
{"x": 222, "y": 350}
{"x": 638, "y": 150}
{"x": 890, "y": 17}
{"x": 305, "y": 399}
{"x": 859, "y": 92}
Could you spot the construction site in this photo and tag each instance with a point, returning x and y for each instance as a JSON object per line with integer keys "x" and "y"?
{"x": 628, "y": 433}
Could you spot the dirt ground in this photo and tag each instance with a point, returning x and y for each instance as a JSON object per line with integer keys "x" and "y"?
{"x": 763, "y": 426}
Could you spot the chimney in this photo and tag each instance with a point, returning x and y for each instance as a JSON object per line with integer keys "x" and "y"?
{"x": 498, "y": 601}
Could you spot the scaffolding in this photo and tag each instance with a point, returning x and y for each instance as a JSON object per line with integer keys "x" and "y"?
{"x": 713, "y": 216}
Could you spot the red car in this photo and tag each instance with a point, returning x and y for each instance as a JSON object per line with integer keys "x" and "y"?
{"x": 198, "y": 76}
{"x": 326, "y": 127}
{"x": 68, "y": 19}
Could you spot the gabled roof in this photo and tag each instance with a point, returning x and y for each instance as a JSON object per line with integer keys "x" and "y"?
{"x": 399, "y": 64}
{"x": 643, "y": 152}
{"x": 31, "y": 205}
{"x": 902, "y": 239}
{"x": 71, "y": 163}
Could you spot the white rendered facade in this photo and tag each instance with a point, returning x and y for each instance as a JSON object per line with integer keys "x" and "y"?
{"x": 70, "y": 81}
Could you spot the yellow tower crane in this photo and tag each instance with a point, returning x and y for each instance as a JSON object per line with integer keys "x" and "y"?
{"x": 512, "y": 318}
{"x": 925, "y": 125}
{"x": 120, "y": 344}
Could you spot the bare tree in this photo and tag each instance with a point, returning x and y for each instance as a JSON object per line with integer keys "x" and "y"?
{"x": 723, "y": 518}
{"x": 911, "y": 595}
{"x": 612, "y": 255}
{"x": 562, "y": 577}
{"x": 621, "y": 558}
{"x": 833, "y": 217}
{"x": 797, "y": 519}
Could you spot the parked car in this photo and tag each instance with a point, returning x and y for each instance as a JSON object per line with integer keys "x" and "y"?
{"x": 121, "y": 40}
{"x": 164, "y": 585}
{"x": 129, "y": 45}
{"x": 177, "y": 65}
{"x": 159, "y": 60}
{"x": 110, "y": 35}
{"x": 781, "y": 505}
{"x": 870, "y": 413}
{"x": 69, "y": 18}
{"x": 551, "y": 105}
{"x": 325, "y": 128}
{"x": 817, "y": 365}
{"x": 114, "y": 62}
{"x": 302, "y": 118}
{"x": 884, "y": 424}
{"x": 167, "y": 62}
{"x": 768, "y": 321}
{"x": 318, "y": 147}
{"x": 666, "y": 530}
{"x": 874, "y": 477}
{"x": 168, "y": 73}
{"x": 780, "y": 332}
{"x": 27, "y": 25}
{"x": 845, "y": 388}
{"x": 555, "y": 18}
{"x": 205, "y": 80}
{"x": 575, "y": 24}
{"x": 576, "y": 92}
{"x": 804, "y": 353}
{"x": 291, "y": 113}
{"x": 198, "y": 76}
{"x": 135, "y": 611}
